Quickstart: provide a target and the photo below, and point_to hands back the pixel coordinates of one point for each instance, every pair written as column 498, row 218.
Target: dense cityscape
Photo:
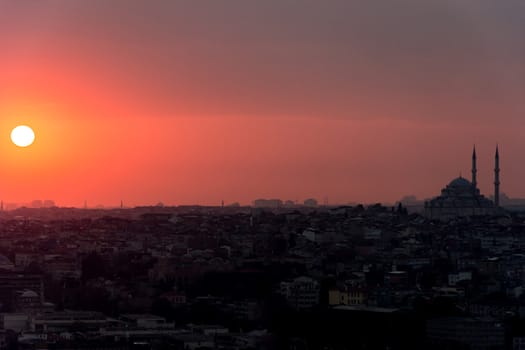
column 262, row 175
column 235, row 277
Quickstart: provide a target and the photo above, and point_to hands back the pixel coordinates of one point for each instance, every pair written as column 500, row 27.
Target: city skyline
column 273, row 174
column 186, row 103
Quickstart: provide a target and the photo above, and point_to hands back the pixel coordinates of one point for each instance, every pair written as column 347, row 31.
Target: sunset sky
column 198, row 101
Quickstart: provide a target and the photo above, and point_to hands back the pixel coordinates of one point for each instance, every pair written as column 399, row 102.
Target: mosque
column 462, row 197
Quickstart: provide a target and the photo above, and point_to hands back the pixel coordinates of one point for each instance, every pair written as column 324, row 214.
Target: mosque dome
column 460, row 182
column 29, row 294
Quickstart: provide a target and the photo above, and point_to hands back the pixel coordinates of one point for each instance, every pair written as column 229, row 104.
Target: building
column 454, row 278
column 27, row 301
column 347, row 296
column 476, row 333
column 67, row 320
column 6, row 264
column 268, row 203
column 301, row 293
column 16, row 322
column 11, row 283
column 146, row 321
column 310, row 202
column 462, row 198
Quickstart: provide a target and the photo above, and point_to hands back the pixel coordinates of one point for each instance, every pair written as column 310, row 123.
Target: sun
column 22, row 136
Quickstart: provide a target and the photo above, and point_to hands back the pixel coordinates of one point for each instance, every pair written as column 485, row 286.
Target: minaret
column 474, row 169
column 496, row 179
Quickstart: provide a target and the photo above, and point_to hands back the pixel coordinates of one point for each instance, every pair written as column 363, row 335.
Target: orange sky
column 184, row 103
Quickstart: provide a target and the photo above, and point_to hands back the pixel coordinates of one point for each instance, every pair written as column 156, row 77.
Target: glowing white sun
column 22, row 136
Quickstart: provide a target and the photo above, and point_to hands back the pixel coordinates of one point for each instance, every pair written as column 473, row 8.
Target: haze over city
column 197, row 102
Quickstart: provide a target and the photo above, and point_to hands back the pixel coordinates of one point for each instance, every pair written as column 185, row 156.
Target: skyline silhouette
column 274, row 174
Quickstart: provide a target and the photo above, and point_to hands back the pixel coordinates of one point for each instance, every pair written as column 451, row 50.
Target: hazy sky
column 197, row 101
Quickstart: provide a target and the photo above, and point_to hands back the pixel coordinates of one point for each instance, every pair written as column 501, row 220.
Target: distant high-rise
column 267, row 203
column 310, row 202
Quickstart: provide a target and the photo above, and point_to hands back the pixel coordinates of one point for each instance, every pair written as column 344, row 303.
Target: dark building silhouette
column 12, row 283
column 462, row 197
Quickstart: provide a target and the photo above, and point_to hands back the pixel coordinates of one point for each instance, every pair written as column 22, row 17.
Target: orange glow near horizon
column 166, row 160
column 178, row 105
